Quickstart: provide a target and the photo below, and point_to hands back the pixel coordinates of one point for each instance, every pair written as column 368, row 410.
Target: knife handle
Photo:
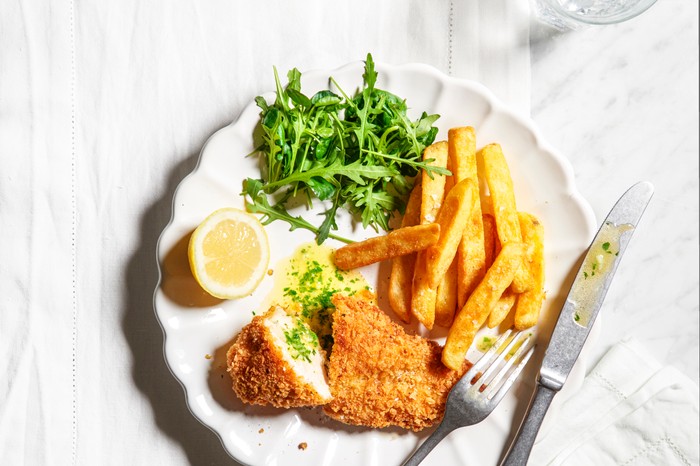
column 520, row 449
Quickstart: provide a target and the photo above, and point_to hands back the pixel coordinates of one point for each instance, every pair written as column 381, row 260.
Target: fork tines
column 507, row 357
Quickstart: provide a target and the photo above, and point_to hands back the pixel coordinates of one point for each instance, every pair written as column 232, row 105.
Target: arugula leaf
column 355, row 171
column 323, row 98
column 324, row 231
column 298, row 98
column 322, row 189
column 260, row 205
column 369, row 76
column 360, row 152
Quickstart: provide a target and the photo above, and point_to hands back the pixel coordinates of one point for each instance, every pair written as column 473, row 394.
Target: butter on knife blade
column 579, row 313
column 591, row 285
column 596, row 267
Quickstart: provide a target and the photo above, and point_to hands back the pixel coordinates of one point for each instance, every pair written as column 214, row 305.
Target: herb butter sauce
column 306, row 281
column 598, row 262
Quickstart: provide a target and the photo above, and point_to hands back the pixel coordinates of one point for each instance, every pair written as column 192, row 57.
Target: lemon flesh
column 229, row 253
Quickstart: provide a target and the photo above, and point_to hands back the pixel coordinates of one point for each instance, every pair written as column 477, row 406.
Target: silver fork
column 480, row 390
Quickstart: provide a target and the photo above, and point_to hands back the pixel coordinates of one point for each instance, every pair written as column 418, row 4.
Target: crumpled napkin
column 629, row 411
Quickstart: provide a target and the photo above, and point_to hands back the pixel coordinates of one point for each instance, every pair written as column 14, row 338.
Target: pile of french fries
column 464, row 256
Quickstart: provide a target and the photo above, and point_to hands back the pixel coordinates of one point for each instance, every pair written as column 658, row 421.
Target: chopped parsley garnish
column 301, row 340
column 312, row 281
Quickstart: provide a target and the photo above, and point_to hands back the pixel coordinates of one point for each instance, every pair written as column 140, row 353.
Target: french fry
column 452, row 219
column 449, row 180
column 399, row 242
column 446, row 295
column 446, row 300
column 423, row 296
column 527, row 309
column 502, row 308
column 470, row 253
column 484, row 195
column 461, row 150
column 485, row 296
column 497, row 175
column 400, row 284
column 402, row 267
column 492, row 247
column 490, row 240
column 433, row 191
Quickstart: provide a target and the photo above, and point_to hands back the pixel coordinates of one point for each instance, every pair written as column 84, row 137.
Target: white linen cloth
column 104, row 107
column 629, row 411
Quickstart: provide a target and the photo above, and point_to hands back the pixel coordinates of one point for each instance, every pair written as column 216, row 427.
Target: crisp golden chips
column 433, row 191
column 487, row 264
column 403, row 267
column 423, row 295
column 527, row 309
column 472, row 316
column 471, row 260
column 497, row 175
column 446, row 299
column 405, row 240
column 452, row 218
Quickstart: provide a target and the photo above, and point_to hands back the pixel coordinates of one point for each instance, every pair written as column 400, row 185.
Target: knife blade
column 579, row 312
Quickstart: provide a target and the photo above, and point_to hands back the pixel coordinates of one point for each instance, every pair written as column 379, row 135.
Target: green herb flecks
column 606, row 248
column 359, row 153
column 486, row 343
column 301, row 341
column 311, row 282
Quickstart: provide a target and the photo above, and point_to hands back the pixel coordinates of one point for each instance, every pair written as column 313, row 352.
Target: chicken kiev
column 277, row 360
column 380, row 376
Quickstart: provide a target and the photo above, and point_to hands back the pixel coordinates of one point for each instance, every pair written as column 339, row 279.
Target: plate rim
column 411, row 67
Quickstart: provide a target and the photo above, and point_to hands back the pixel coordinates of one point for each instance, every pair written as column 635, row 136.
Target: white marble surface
column 621, row 102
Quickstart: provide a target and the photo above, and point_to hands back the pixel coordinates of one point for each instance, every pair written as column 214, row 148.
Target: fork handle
column 520, row 449
column 427, row 446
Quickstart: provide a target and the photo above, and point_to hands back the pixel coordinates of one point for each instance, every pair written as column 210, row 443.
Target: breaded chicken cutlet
column 277, row 360
column 380, row 376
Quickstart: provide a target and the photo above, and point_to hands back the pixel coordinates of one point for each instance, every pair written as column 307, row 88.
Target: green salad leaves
column 360, row 153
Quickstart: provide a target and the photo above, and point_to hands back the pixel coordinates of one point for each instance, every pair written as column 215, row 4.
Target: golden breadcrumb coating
column 380, row 376
column 260, row 373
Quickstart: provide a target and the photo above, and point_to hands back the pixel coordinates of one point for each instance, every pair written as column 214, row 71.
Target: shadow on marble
column 541, row 33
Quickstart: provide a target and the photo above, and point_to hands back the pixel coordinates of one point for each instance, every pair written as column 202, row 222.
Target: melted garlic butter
column 598, row 262
column 306, row 281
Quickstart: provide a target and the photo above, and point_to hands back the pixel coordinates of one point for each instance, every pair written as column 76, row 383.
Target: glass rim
column 637, row 10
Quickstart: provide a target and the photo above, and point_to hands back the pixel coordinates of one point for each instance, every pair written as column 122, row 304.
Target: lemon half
column 229, row 253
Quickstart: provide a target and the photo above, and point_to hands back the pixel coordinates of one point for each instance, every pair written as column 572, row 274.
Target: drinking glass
column 573, row 14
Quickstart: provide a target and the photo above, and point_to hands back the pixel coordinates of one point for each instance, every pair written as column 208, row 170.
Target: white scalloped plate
column 199, row 329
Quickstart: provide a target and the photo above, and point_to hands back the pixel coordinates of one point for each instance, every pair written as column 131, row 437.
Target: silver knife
column 579, row 312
